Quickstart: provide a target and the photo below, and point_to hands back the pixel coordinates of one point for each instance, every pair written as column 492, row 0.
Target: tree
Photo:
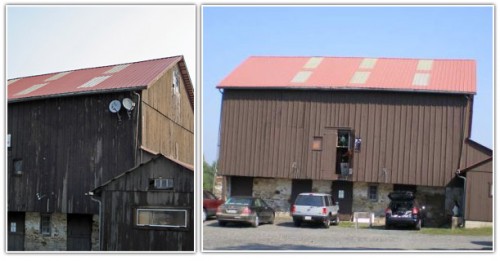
column 208, row 175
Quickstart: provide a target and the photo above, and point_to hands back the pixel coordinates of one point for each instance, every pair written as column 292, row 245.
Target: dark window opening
column 45, row 227
column 373, row 192
column 18, row 166
column 344, row 152
column 174, row 218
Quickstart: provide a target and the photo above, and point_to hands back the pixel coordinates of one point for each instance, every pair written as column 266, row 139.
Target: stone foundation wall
column 95, row 233
column 276, row 193
column 361, row 202
column 35, row 241
column 433, row 198
column 322, row 186
column 218, row 186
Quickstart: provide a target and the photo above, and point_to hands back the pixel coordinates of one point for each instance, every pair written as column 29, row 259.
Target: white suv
column 315, row 207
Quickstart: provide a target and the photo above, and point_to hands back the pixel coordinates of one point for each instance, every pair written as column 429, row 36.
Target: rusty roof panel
column 453, row 76
column 138, row 75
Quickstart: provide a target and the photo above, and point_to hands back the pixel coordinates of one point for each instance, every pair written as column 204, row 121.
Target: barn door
column 241, row 186
column 16, row 231
column 300, row 186
column 342, row 193
column 329, row 153
column 79, row 232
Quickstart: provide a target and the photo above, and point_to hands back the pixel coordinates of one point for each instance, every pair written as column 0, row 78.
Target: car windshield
column 239, row 201
column 308, row 200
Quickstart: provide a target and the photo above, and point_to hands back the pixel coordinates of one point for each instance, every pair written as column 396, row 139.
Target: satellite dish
column 128, row 104
column 115, row 106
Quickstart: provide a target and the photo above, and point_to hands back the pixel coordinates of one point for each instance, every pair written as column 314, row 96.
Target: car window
column 257, row 203
column 264, row 204
column 208, row 195
column 239, row 201
column 309, row 200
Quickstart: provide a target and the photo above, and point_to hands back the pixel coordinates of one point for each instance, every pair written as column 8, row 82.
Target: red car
column 210, row 204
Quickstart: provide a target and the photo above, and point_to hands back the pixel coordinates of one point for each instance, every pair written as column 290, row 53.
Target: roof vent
column 116, row 69
column 95, row 81
column 56, row 76
column 32, row 89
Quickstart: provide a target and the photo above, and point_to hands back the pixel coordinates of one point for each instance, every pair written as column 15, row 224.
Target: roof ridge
column 360, row 57
column 96, row 67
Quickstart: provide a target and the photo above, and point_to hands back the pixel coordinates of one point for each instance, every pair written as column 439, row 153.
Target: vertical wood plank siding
column 68, row 147
column 165, row 122
column 121, row 197
column 414, row 138
column 479, row 203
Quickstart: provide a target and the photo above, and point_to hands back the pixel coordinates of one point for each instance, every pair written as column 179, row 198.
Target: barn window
column 45, row 224
column 161, row 183
column 170, row 218
column 18, row 166
column 373, row 192
column 316, row 143
column 344, row 151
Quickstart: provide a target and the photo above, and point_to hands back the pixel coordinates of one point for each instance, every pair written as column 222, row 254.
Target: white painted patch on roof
column 95, row 81
column 56, row 76
column 313, row 62
column 424, row 65
column 31, row 89
column 12, row 81
column 360, row 77
column 368, row 63
column 301, row 76
column 421, row 79
column 117, row 68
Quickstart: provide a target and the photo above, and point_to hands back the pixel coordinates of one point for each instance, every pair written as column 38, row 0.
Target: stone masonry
column 35, row 241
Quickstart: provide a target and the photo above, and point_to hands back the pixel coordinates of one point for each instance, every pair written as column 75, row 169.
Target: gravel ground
column 283, row 236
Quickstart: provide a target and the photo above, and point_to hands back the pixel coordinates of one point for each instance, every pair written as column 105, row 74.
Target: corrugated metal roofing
column 138, row 75
column 399, row 74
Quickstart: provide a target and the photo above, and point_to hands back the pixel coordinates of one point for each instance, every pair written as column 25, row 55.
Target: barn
column 70, row 132
column 355, row 127
column 148, row 208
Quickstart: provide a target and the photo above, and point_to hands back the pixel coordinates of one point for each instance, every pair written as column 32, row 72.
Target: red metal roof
column 137, row 75
column 427, row 75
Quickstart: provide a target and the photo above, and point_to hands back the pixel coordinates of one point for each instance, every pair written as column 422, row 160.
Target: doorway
column 342, row 193
column 300, row 186
column 79, row 232
column 241, row 186
column 16, row 221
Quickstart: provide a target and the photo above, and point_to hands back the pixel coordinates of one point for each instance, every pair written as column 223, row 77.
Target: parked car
column 245, row 209
column 315, row 207
column 210, row 204
column 404, row 210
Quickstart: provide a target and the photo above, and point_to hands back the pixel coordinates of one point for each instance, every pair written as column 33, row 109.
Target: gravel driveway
column 283, row 236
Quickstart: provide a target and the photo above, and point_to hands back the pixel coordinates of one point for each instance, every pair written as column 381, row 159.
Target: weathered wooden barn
column 355, row 127
column 148, row 208
column 69, row 132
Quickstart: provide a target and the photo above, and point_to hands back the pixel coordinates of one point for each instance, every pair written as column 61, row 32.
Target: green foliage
column 208, row 175
column 484, row 231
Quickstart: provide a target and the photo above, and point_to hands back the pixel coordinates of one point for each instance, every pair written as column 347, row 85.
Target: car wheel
column 222, row 223
column 326, row 222
column 418, row 226
column 255, row 222
column 337, row 220
column 271, row 221
column 297, row 222
column 204, row 215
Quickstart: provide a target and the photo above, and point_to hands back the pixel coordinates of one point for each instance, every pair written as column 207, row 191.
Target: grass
column 483, row 231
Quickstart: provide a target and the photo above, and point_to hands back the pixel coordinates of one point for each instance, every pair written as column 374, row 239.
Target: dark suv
column 404, row 210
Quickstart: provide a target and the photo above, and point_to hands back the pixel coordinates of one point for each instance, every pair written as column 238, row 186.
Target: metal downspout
column 137, row 128
column 100, row 219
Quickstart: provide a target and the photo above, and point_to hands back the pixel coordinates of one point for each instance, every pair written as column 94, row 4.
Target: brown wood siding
column 474, row 153
column 168, row 126
column 123, row 196
column 414, row 137
column 68, row 146
column 479, row 205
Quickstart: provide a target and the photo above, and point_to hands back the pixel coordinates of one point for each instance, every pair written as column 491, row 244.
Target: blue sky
column 44, row 39
column 231, row 34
